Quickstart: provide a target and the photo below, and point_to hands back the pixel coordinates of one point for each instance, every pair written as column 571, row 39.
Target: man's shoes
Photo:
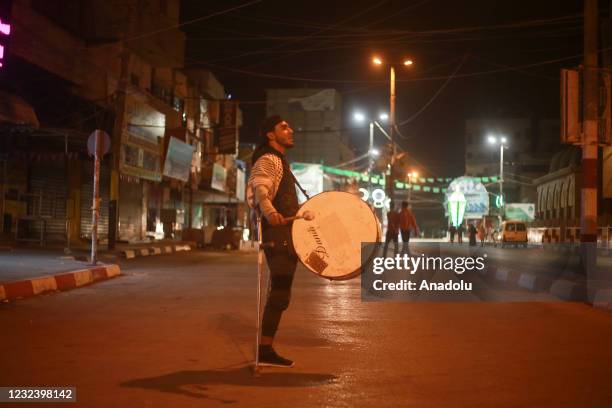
column 269, row 358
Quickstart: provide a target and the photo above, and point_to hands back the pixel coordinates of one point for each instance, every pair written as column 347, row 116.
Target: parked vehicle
column 513, row 232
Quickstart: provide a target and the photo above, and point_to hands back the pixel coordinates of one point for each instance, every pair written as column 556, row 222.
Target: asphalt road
column 177, row 331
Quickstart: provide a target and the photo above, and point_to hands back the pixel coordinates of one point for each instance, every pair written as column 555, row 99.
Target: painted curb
column 568, row 290
column 603, row 299
column 60, row 282
column 502, row 275
column 149, row 251
column 534, row 282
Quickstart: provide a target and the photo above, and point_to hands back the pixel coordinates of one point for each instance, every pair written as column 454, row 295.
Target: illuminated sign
column 5, row 28
column 475, row 194
column 456, row 207
column 378, row 196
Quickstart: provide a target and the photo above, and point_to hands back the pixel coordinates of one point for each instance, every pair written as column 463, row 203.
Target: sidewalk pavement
column 27, row 270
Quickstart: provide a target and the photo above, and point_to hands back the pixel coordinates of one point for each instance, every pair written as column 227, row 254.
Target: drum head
column 330, row 244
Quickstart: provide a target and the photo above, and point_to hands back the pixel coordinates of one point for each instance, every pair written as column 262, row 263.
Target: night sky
column 502, row 57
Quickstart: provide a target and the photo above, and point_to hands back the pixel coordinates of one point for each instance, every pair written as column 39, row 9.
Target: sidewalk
column 27, row 272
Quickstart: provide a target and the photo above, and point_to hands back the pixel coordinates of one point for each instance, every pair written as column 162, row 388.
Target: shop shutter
column 48, row 180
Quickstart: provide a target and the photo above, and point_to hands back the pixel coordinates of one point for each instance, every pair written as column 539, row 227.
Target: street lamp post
column 372, row 152
column 406, row 63
column 502, row 145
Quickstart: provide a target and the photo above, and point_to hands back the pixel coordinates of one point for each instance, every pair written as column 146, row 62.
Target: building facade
column 113, row 66
column 315, row 116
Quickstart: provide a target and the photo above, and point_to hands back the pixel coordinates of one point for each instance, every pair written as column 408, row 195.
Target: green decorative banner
column 379, row 179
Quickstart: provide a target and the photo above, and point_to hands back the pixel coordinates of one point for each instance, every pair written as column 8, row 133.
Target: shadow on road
column 195, row 383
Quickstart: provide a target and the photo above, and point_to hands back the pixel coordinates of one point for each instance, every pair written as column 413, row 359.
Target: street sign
column 91, row 143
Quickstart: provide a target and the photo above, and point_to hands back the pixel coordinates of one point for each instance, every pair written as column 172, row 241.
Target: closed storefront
column 46, row 201
column 130, row 209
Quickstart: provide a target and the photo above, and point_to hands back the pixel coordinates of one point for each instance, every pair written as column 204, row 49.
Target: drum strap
column 297, row 183
column 287, row 168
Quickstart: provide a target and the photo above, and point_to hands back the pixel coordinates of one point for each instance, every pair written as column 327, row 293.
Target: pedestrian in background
column 393, row 225
column 481, row 233
column 407, row 224
column 452, row 231
column 472, row 234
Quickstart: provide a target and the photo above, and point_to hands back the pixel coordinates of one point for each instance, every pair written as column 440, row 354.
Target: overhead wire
column 433, row 98
column 417, row 79
column 265, row 50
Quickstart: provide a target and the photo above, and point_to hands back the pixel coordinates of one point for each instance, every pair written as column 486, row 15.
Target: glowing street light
column 359, row 117
column 383, row 116
column 406, row 63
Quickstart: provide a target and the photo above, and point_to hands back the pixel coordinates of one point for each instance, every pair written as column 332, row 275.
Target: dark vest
column 285, row 202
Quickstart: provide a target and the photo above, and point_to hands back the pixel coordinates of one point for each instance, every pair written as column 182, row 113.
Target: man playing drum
column 271, row 190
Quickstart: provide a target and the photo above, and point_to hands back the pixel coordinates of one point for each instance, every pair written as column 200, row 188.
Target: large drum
column 330, row 243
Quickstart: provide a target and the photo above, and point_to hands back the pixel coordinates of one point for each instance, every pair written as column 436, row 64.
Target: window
column 510, row 227
column 520, row 227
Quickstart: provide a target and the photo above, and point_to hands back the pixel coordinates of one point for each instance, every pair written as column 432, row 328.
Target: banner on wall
column 178, row 160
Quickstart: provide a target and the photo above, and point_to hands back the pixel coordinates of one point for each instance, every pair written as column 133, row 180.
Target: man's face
column 283, row 134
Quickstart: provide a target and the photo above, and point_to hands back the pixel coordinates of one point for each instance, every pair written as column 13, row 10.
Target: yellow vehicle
column 513, row 232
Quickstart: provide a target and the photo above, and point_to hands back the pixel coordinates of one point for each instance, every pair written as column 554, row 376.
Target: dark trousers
column 390, row 237
column 405, row 241
column 282, row 266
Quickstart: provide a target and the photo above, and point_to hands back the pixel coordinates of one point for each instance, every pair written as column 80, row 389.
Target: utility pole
column 588, row 208
column 391, row 188
column 371, row 157
column 120, row 106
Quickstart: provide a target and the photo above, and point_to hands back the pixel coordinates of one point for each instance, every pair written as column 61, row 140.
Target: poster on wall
column 520, row 211
column 178, row 160
column 142, row 141
column 219, row 177
column 240, row 184
column 145, row 125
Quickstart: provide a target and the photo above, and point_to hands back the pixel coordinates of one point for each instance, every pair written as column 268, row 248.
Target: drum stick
column 308, row 216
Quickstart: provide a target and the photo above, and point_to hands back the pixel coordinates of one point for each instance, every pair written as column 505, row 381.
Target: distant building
column 316, row 118
column 531, row 145
column 559, row 191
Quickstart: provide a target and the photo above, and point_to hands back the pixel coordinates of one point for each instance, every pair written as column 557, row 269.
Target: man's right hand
column 277, row 219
